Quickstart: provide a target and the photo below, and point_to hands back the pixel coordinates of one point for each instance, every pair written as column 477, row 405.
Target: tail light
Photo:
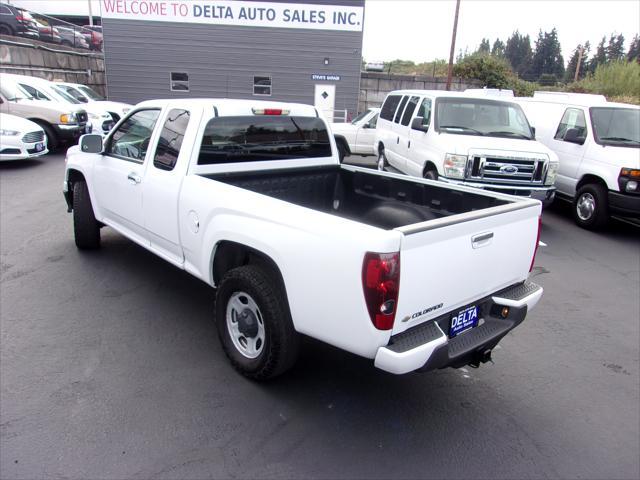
column 381, row 285
column 269, row 111
column 535, row 249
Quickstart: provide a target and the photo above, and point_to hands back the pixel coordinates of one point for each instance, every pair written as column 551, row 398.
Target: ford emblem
column 509, row 169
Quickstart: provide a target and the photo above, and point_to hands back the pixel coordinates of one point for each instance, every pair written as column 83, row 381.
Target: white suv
column 464, row 139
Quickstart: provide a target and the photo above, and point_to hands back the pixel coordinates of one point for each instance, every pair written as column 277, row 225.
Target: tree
column 494, row 72
column 498, row 48
column 547, row 58
column 485, row 46
column 573, row 63
column 518, row 53
column 634, row 49
column 615, row 49
column 600, row 58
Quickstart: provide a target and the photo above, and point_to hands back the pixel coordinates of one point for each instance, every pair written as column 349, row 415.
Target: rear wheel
column 52, row 138
column 86, row 228
column 6, row 29
column 382, row 163
column 591, row 206
column 254, row 323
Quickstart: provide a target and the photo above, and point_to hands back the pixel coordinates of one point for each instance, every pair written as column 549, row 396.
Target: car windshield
column 13, row 92
column 74, row 92
column 92, row 94
column 360, row 117
column 64, row 95
column 490, row 118
column 616, row 126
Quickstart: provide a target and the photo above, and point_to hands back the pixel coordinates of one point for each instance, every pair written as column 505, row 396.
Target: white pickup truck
column 250, row 197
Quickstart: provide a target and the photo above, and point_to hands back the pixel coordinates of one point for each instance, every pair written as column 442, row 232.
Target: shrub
column 494, row 72
column 615, row 79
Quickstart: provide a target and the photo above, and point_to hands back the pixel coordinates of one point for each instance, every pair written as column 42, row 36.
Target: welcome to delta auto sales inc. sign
column 238, row 13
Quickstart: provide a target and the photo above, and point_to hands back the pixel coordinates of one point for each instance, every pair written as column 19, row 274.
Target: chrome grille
column 33, row 137
column 493, row 169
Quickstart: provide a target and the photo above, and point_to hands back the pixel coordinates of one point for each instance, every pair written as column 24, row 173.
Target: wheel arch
column 428, row 166
column 340, row 139
column 590, row 178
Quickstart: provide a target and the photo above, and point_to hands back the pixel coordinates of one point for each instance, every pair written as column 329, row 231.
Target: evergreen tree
column 547, row 59
column 518, row 53
column 498, row 48
column 615, row 49
column 600, row 58
column 485, row 46
column 573, row 63
column 634, row 49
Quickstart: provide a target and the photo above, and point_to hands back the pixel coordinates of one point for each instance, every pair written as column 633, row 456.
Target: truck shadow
column 20, row 164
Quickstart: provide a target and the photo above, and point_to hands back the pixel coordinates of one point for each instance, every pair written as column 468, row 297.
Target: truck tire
column 254, row 323
column 382, row 163
column 52, row 137
column 591, row 206
column 86, row 228
column 430, row 173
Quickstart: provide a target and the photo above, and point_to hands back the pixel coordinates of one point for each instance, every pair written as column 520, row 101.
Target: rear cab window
column 252, row 138
column 170, row 141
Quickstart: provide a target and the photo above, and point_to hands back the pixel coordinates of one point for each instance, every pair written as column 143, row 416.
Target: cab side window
column 171, row 138
column 425, row 111
column 573, row 118
column 34, row 92
column 408, row 112
column 131, row 140
column 389, row 107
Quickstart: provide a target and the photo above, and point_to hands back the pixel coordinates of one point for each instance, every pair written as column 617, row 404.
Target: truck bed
column 372, row 199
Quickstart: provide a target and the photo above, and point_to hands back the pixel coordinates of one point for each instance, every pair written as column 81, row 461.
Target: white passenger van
column 464, row 139
column 598, row 144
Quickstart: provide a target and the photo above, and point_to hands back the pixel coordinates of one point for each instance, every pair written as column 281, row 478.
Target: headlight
column 629, row 180
column 68, row 118
column 552, row 172
column 454, row 165
column 9, row 133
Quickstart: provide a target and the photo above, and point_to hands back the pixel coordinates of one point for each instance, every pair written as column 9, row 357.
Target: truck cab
column 464, row 139
column 597, row 144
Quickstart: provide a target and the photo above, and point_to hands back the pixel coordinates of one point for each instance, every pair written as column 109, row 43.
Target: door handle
column 481, row 239
column 398, row 141
column 409, row 144
column 134, row 178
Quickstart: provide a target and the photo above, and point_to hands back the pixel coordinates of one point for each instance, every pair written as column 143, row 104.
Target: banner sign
column 238, row 13
column 322, row 76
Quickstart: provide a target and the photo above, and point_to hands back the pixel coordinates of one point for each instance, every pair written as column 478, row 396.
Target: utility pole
column 90, row 13
column 453, row 46
column 580, row 53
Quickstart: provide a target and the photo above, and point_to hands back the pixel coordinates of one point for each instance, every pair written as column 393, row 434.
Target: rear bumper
column 624, row 204
column 427, row 346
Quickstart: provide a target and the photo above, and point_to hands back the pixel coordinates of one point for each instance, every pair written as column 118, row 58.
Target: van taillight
column 381, row 284
column 535, row 249
column 270, row 111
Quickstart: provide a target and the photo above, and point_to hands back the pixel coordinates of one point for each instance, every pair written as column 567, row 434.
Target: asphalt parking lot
column 110, row 367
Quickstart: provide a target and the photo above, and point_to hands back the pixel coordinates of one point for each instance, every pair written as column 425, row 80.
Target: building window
column 261, row 85
column 179, row 82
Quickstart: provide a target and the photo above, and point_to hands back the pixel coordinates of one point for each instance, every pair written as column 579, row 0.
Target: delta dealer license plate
column 39, row 147
column 464, row 320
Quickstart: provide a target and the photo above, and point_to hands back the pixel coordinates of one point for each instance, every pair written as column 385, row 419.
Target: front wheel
column 86, row 228
column 382, row 161
column 431, row 174
column 254, row 323
column 591, row 207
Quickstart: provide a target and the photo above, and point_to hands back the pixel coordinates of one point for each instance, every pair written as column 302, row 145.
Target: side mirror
column 574, row 135
column 91, row 143
column 533, row 132
column 368, row 125
column 416, row 124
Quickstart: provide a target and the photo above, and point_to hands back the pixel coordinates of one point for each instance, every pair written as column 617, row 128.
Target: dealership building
column 284, row 51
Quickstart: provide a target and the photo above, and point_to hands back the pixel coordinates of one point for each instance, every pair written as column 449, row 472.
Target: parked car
column 93, row 35
column 61, row 122
column 598, row 144
column 71, row 37
column 358, row 136
column 251, row 198
column 16, row 21
column 85, row 94
column 466, row 140
column 20, row 138
column 42, row 89
column 47, row 32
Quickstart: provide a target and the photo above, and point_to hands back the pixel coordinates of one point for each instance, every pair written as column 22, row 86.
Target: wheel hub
column 586, row 206
column 248, row 323
column 245, row 325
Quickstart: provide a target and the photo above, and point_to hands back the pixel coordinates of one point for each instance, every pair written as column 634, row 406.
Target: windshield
column 64, row 95
column 13, row 92
column 616, row 126
column 257, row 138
column 360, row 117
column 92, row 94
column 74, row 92
column 472, row 116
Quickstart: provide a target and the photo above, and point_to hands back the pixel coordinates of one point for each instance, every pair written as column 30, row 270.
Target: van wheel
column 254, row 323
column 382, row 163
column 591, row 207
column 431, row 174
column 86, row 228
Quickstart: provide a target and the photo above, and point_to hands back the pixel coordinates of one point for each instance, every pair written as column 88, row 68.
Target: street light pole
column 453, row 46
column 90, row 13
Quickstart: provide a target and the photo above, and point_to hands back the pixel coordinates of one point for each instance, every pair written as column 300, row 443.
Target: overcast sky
column 420, row 30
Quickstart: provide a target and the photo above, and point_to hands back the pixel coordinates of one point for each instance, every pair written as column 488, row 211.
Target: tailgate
column 449, row 263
